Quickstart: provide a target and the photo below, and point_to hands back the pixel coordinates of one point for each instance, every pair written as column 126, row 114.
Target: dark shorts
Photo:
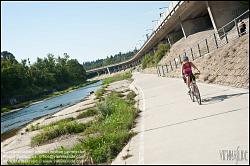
column 191, row 76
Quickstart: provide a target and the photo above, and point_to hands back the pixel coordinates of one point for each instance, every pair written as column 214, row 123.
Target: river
column 17, row 119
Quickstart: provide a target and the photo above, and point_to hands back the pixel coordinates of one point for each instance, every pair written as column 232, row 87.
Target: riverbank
column 17, row 107
column 76, row 115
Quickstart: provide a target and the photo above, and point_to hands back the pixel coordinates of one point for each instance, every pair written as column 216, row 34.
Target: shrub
column 87, row 113
column 104, row 148
column 52, row 132
column 99, row 92
column 151, row 60
column 118, row 77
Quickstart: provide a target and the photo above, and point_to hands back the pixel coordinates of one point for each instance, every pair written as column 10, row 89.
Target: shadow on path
column 220, row 98
column 190, row 120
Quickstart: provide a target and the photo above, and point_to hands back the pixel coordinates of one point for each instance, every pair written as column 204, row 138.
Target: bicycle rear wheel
column 197, row 94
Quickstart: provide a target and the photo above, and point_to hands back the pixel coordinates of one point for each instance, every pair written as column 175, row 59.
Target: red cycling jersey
column 187, row 68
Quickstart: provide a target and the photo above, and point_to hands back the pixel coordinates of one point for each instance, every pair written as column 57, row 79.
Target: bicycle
column 194, row 90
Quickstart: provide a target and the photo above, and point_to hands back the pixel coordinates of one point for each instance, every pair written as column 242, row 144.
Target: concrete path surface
column 174, row 130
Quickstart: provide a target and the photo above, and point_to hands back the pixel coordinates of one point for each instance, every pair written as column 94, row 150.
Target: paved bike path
column 174, row 130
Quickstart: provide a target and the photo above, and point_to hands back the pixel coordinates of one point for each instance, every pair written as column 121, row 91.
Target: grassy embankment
column 107, row 81
column 54, row 94
column 152, row 59
column 103, row 139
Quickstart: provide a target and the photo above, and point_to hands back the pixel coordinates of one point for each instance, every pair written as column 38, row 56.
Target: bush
column 161, row 51
column 87, row 113
column 147, row 61
column 118, row 77
column 131, row 95
column 63, row 128
column 34, row 127
column 104, row 148
column 99, row 92
column 151, row 60
column 112, row 132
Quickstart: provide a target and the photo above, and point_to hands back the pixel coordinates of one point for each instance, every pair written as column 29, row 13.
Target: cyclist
column 186, row 71
column 242, row 27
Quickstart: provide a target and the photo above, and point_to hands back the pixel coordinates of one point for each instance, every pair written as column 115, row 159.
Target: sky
column 86, row 31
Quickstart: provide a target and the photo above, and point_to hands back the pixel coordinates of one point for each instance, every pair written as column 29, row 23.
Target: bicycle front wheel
column 191, row 94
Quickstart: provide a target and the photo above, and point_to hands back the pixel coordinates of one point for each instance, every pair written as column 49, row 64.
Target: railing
column 167, row 14
column 228, row 32
column 174, row 5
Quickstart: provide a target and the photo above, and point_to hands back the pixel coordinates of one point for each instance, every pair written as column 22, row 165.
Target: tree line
column 120, row 57
column 47, row 74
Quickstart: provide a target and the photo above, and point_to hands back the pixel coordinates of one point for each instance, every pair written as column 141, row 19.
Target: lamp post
column 150, row 30
column 164, row 8
column 146, row 36
column 139, row 42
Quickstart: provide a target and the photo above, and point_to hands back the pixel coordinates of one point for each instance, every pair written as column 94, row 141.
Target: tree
column 7, row 56
column 22, row 79
column 109, row 60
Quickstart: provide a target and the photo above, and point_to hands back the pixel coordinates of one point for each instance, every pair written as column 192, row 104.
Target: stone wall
column 229, row 65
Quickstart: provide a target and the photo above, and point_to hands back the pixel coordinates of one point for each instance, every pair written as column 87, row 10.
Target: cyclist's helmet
column 185, row 58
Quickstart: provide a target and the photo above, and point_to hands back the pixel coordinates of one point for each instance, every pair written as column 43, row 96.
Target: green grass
column 112, row 131
column 99, row 93
column 37, row 127
column 105, row 147
column 33, row 127
column 53, row 131
column 105, row 138
column 60, row 123
column 118, row 77
column 87, row 113
column 152, row 59
column 131, row 95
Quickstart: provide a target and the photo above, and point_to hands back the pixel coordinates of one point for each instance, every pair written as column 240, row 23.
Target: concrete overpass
column 182, row 19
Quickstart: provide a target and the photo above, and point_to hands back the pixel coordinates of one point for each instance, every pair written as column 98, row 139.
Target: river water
column 14, row 120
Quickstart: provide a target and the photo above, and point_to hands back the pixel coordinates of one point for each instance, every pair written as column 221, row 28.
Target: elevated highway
column 182, row 19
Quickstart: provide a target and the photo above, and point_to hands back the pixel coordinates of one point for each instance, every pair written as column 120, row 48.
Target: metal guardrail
column 167, row 14
column 174, row 5
column 228, row 32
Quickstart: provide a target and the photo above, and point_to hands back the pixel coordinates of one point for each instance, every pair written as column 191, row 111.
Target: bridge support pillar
column 221, row 12
column 182, row 28
column 211, row 16
column 108, row 70
column 169, row 41
column 154, row 50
